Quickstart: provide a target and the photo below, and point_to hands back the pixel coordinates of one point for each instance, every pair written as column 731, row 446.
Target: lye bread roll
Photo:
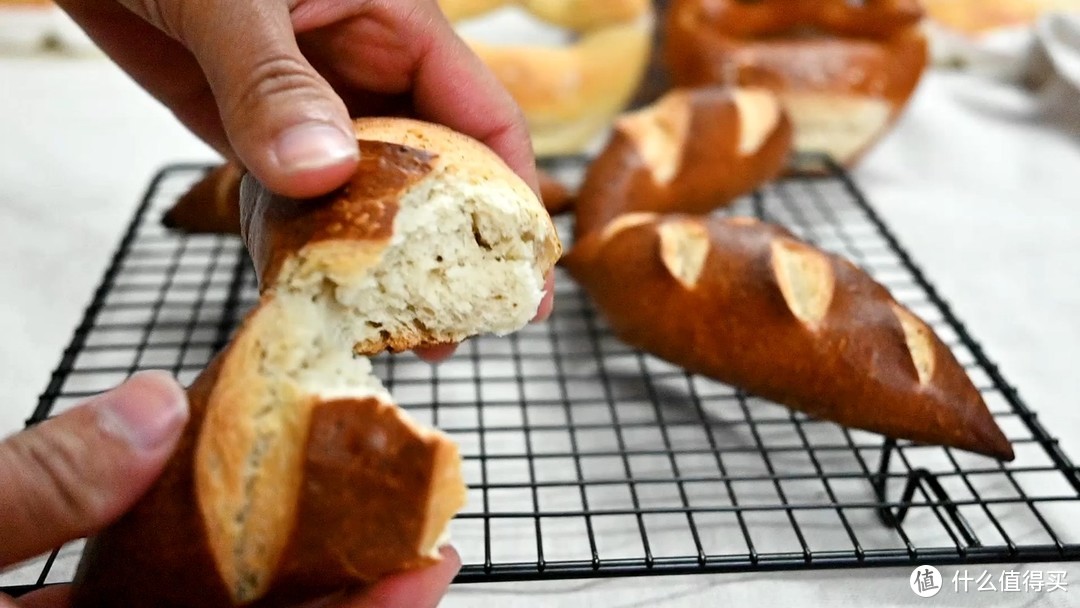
column 691, row 151
column 844, row 70
column 750, row 305
column 297, row 476
column 568, row 93
column 210, row 206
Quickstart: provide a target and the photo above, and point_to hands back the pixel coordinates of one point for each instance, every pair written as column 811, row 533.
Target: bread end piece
column 210, row 206
column 434, row 241
column 304, row 469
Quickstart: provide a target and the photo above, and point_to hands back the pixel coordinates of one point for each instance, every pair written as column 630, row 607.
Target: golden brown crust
column 211, row 206
column 686, row 154
column 831, row 80
column 854, row 365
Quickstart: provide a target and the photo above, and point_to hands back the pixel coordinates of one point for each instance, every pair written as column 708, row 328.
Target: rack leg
column 929, row 484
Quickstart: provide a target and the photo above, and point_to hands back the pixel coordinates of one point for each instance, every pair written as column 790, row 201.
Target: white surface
column 982, row 193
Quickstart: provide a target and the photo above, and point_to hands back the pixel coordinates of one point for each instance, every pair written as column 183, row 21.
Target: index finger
column 453, row 86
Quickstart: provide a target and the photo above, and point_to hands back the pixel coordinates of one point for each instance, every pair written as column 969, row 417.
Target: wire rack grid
column 585, row 458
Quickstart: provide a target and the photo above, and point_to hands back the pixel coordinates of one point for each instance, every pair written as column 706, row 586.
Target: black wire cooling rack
column 585, row 458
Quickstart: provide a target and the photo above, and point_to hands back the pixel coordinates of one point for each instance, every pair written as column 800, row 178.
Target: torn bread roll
column 750, row 305
column 844, row 70
column 210, row 206
column 297, row 476
column 569, row 93
column 692, row 151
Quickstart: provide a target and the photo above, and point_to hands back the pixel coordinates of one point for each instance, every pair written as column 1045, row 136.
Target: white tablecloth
column 977, row 180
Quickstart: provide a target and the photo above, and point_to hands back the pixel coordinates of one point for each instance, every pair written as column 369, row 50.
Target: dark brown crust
column 275, row 228
column 712, row 173
column 157, row 554
column 211, row 206
column 554, row 194
column 373, row 501
column 854, row 370
column 877, row 51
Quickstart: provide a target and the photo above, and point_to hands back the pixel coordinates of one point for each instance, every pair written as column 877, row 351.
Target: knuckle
column 268, row 80
column 55, row 464
column 159, row 13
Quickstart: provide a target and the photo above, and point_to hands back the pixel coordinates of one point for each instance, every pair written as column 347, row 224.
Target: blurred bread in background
column 975, row 17
column 31, row 27
column 572, row 66
column 995, row 38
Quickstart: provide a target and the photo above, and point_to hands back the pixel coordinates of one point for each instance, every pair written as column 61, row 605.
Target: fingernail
column 314, row 145
column 146, row 412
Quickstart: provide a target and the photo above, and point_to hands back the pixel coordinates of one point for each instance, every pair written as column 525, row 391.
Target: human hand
column 74, row 474
column 272, row 83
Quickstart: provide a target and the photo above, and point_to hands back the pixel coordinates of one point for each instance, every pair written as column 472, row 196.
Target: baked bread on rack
column 750, row 305
column 569, row 94
column 844, row 70
column 297, row 475
column 210, row 206
column 692, row 151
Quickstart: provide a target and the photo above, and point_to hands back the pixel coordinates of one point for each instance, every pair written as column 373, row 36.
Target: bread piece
column 569, row 94
column 750, row 305
column 297, row 476
column 439, row 250
column 556, row 196
column 211, row 206
column 692, row 151
column 844, row 71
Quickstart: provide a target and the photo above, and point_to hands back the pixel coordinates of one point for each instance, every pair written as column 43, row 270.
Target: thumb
column 72, row 475
column 285, row 123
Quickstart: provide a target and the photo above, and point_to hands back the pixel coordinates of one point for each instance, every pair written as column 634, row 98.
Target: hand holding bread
column 297, row 476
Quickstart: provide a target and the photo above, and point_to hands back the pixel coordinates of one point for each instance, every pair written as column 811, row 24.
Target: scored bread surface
column 691, row 151
column 784, row 321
